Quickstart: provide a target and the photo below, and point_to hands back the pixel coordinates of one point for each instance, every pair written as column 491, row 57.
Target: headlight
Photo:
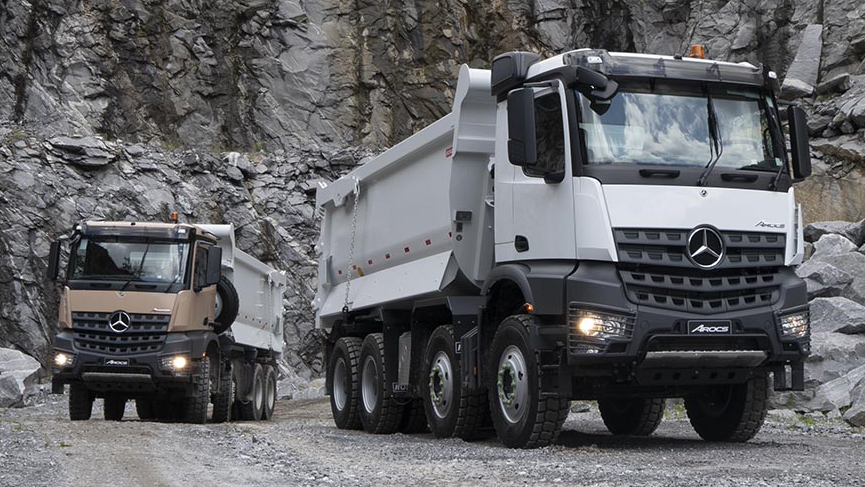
column 796, row 325
column 175, row 363
column 593, row 324
column 64, row 359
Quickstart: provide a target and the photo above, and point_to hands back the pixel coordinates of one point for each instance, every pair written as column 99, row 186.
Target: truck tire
column 522, row 417
column 635, row 416
column 252, row 410
column 380, row 413
column 195, row 406
column 80, row 402
column 414, row 418
column 145, row 409
column 450, row 410
column 342, row 374
column 227, row 305
column 733, row 413
column 224, row 397
column 269, row 392
column 114, row 407
column 167, row 411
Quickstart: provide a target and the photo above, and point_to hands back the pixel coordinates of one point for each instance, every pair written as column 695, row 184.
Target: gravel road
column 39, row 446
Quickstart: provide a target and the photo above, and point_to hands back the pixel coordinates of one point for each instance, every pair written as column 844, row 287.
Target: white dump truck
column 599, row 226
column 171, row 315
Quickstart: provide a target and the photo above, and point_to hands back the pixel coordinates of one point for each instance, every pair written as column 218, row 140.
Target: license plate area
column 710, row 327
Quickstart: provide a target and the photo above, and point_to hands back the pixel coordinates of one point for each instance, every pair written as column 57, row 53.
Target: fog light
column 592, row 324
column 63, row 359
column 175, row 363
column 796, row 325
column 178, row 362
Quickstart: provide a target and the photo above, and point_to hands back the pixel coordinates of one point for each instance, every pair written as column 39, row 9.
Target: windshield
column 654, row 122
column 124, row 259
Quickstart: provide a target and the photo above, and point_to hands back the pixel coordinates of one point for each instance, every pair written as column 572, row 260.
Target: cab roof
column 182, row 231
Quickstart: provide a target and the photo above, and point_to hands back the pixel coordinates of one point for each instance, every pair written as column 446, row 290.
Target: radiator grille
column 146, row 333
column 656, row 272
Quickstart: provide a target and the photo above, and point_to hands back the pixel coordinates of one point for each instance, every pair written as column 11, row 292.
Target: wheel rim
column 369, row 383
column 339, row 387
column 258, row 400
column 441, row 384
column 512, row 384
column 271, row 394
column 218, row 305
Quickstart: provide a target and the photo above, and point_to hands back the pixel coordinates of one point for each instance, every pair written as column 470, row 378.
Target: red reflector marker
column 406, row 250
column 387, row 256
column 428, row 242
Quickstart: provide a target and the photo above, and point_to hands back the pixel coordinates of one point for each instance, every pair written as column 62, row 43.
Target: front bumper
column 660, row 350
column 131, row 374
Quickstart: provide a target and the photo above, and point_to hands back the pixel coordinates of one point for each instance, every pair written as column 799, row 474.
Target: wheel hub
column 512, row 385
column 339, row 388
column 441, row 384
column 369, row 385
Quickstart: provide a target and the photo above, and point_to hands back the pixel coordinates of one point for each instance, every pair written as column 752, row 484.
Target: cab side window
column 550, row 136
column 200, row 274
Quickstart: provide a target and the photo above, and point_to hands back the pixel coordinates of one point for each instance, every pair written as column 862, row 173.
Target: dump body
column 423, row 222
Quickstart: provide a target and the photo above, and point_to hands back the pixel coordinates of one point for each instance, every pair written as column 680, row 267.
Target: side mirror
column 522, row 146
column 801, row 152
column 53, row 262
column 214, row 265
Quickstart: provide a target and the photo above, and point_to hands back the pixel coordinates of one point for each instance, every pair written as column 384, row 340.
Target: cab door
column 542, row 225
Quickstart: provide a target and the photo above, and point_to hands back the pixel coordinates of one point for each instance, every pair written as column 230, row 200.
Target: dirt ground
column 300, row 446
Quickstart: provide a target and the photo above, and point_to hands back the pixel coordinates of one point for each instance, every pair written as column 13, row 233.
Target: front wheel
column 195, row 406
column 636, row 416
column 733, row 413
column 523, row 418
column 80, row 402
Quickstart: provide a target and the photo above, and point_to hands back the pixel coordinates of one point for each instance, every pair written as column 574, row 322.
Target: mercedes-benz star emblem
column 705, row 247
column 119, row 322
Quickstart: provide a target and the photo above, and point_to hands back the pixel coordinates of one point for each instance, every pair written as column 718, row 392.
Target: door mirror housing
column 214, row 266
column 522, row 146
column 799, row 148
column 53, row 262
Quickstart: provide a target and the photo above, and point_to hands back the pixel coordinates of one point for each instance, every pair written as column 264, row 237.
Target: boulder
column 802, row 74
column 832, row 244
column 837, row 314
column 823, row 278
column 836, row 394
column 832, row 356
column 11, row 392
column 856, row 414
column 813, row 231
column 88, row 152
column 24, row 368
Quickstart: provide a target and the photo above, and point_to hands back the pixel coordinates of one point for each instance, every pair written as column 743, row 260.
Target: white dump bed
column 260, row 288
column 424, row 213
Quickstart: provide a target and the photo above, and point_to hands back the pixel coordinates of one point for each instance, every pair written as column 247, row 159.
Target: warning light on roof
column 698, row 51
column 173, row 217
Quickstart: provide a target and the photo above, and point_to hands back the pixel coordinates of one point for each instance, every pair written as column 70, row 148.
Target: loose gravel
column 300, row 446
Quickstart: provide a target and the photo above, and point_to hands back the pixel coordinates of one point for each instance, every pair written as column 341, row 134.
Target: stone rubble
column 18, row 375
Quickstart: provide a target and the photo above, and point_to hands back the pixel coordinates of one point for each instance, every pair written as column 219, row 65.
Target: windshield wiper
column 716, row 140
column 137, row 273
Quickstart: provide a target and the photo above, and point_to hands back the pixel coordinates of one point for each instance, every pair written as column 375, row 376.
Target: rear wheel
column 114, row 408
column 145, row 410
column 732, row 413
column 252, row 410
column 195, row 406
column 343, row 374
column 269, row 392
column 380, row 413
column 224, row 397
column 636, row 416
column 522, row 417
column 450, row 410
column 80, row 402
column 414, row 418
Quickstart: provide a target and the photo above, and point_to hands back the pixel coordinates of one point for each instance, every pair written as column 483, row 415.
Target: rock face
column 803, row 72
column 231, row 110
